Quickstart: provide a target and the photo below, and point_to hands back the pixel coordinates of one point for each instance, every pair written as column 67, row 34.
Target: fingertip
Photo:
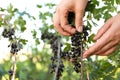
column 80, row 28
column 95, row 38
column 79, row 20
column 85, row 55
column 65, row 34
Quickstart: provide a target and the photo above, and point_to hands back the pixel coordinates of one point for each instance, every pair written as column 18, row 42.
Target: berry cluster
column 8, row 33
column 57, row 64
column 15, row 44
column 15, row 47
column 75, row 50
column 73, row 55
column 77, row 44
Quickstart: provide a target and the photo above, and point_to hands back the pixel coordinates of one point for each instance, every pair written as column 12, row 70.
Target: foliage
column 36, row 66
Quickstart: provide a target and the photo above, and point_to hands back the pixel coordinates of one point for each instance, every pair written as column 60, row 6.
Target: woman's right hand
column 60, row 17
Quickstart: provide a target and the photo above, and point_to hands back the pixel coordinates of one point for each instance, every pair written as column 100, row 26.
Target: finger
column 108, row 52
column 64, row 22
column 79, row 20
column 56, row 23
column 107, row 47
column 104, row 28
column 97, row 46
column 79, row 13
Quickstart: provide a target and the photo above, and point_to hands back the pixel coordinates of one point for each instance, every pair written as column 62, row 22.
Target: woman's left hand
column 107, row 38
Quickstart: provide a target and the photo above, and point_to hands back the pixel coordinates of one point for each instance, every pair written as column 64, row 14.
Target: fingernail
column 80, row 28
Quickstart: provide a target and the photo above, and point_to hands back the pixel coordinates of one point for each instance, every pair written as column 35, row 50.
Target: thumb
column 79, row 20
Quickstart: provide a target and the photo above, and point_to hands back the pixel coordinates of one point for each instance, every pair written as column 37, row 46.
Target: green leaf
column 1, row 22
column 22, row 75
column 51, row 26
column 88, row 24
column 48, row 14
column 39, row 6
column 42, row 16
column 34, row 33
column 90, row 38
column 37, row 41
column 98, row 16
column 9, row 9
column 107, row 15
column 24, row 41
column 1, row 9
column 67, row 47
column 118, row 2
column 15, row 10
column 23, row 28
column 50, row 5
column 118, row 12
column 90, row 6
column 95, row 24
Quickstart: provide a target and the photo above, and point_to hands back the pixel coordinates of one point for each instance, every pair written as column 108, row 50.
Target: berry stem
column 88, row 77
column 58, row 60
column 81, row 60
column 12, row 77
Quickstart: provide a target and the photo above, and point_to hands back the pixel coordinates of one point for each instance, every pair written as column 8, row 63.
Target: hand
column 60, row 17
column 107, row 38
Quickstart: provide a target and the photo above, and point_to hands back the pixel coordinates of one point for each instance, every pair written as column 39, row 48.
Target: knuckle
column 98, row 47
column 78, row 10
column 117, row 41
column 61, row 9
column 99, row 30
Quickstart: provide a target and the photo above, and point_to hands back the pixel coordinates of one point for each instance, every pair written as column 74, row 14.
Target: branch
column 88, row 77
column 81, row 60
column 12, row 75
column 58, row 59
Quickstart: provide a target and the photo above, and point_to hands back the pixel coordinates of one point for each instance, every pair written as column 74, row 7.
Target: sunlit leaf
column 39, row 6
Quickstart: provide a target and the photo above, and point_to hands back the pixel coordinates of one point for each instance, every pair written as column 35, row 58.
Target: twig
column 88, row 78
column 81, row 60
column 58, row 59
column 12, row 76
